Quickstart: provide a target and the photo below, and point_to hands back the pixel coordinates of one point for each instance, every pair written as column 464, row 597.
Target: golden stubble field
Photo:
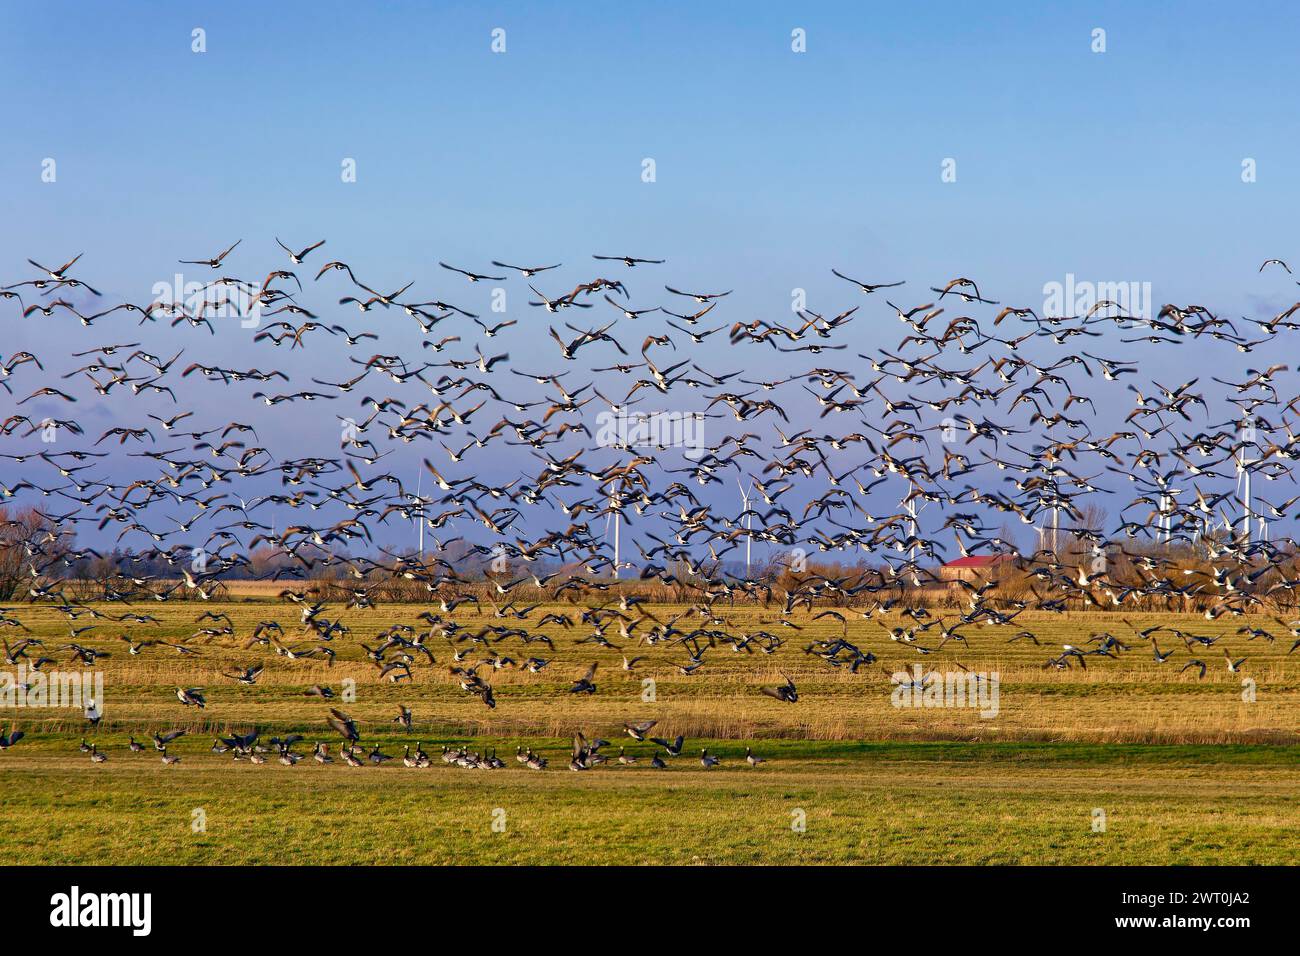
column 1181, row 769
column 1132, row 698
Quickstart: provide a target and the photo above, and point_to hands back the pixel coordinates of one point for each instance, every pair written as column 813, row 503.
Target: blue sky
column 772, row 166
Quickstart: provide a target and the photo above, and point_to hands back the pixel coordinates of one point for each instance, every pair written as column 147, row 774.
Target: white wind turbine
column 912, row 511
column 1055, row 530
column 419, row 517
column 617, row 516
column 1164, row 520
column 1243, row 482
column 1056, row 524
column 749, row 519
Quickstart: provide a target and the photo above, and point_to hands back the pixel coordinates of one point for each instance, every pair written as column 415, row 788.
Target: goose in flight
column 701, row 297
column 638, row 729
column 214, row 263
column 785, row 692
column 672, row 748
column 297, row 257
column 957, row 287
column 191, row 697
column 248, row 676
column 585, row 683
column 472, row 276
column 344, row 724
column 631, row 261
column 867, row 287
column 584, row 755
column 526, row 271
column 160, row 740
column 403, row 717
column 59, row 274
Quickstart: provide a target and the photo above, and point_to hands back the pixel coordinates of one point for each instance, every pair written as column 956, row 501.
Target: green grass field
column 1184, row 770
column 861, row 803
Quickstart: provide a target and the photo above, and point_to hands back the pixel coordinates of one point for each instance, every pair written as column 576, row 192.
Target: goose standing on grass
column 421, row 758
column 707, row 759
column 752, row 759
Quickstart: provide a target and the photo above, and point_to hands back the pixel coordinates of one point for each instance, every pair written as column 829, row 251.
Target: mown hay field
column 1126, row 761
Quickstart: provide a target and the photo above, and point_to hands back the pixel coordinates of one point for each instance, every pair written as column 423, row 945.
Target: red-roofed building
column 974, row 567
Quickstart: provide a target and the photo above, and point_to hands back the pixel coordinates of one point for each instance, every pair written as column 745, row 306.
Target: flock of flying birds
column 990, row 412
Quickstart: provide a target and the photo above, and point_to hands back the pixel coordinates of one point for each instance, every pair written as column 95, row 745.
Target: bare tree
column 21, row 535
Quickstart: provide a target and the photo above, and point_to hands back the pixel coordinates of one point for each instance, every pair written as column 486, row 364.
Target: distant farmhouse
column 974, row 568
